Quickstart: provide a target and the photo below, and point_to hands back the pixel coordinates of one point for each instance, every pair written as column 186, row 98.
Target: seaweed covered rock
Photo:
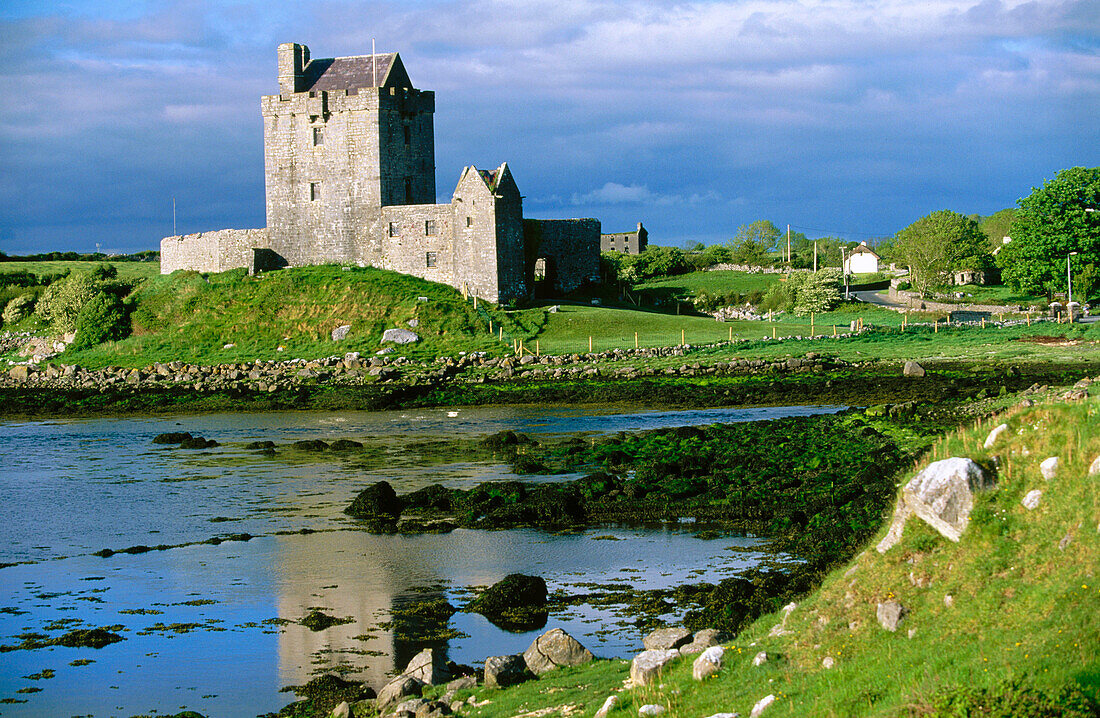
column 88, row 638
column 505, row 440
column 378, row 501
column 322, row 694
column 516, row 602
column 198, row 442
column 172, row 437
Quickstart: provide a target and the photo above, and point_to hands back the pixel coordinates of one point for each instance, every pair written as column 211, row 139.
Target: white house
column 861, row 260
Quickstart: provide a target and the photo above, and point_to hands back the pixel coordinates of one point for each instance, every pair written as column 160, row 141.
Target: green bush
column 62, row 301
column 18, row 309
column 1013, row 698
column 101, row 319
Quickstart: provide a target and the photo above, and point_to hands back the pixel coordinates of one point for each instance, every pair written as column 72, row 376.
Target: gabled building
column 861, row 260
column 349, row 169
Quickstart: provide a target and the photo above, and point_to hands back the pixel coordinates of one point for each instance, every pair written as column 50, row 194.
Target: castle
column 349, row 169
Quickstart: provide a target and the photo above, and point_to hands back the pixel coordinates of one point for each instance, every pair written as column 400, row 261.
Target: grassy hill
column 192, row 317
column 1019, row 635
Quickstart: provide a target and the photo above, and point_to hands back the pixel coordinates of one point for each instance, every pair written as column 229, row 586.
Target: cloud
column 614, row 193
column 843, row 113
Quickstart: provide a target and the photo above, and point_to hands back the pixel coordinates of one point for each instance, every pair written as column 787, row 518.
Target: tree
column 997, row 226
column 1050, row 223
column 753, row 241
column 938, row 244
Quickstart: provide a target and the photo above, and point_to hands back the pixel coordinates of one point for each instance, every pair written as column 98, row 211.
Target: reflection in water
column 198, row 621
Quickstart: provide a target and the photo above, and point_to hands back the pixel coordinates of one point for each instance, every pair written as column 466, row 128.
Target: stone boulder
column 554, row 649
column 913, row 369
column 1049, row 468
column 647, row 665
column 702, row 640
column 503, row 671
column 942, row 495
column 400, row 336
column 762, row 705
column 377, row 500
column 1031, row 501
column 341, row 332
column 399, row 689
column 889, row 614
column 428, row 666
column 708, row 663
column 666, row 638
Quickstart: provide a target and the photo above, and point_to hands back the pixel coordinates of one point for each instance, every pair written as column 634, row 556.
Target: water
column 199, row 620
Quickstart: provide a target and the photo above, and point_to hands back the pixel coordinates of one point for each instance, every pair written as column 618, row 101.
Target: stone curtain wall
column 217, row 251
column 571, row 245
column 407, row 252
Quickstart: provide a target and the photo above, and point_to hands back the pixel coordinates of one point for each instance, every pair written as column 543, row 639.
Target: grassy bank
column 1019, row 635
column 232, row 317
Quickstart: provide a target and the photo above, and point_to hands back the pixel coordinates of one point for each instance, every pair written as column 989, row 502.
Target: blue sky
column 846, row 117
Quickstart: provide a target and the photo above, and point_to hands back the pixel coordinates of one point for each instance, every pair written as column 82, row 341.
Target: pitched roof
column 864, row 249
column 352, row 73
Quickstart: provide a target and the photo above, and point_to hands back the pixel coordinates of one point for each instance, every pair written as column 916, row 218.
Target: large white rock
column 762, row 705
column 429, row 666
column 1049, row 467
column 400, row 336
column 993, row 435
column 942, row 495
column 708, row 663
column 554, row 649
column 607, row 706
column 647, row 665
column 1031, row 501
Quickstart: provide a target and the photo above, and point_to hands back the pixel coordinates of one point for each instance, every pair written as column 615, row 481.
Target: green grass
column 191, row 317
column 717, row 282
column 126, row 270
column 1023, row 609
column 1001, row 294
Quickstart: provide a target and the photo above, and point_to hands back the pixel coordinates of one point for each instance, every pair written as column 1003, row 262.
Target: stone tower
column 343, row 138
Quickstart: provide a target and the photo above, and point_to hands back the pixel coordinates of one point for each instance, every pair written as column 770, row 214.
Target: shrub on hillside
column 101, row 319
column 62, row 301
column 18, row 309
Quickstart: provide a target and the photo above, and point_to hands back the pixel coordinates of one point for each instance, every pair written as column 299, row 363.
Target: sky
column 849, row 118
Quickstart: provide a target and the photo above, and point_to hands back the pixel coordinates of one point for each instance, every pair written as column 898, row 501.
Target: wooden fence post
column 589, row 343
column 635, row 340
column 682, row 342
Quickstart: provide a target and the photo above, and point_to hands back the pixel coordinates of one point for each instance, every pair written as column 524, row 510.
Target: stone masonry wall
column 410, row 249
column 217, row 251
column 333, row 159
column 572, row 246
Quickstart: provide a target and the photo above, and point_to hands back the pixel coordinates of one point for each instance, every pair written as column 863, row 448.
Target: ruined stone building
column 349, row 169
column 626, row 242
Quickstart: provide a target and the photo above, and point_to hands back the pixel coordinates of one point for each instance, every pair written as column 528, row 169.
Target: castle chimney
column 293, row 59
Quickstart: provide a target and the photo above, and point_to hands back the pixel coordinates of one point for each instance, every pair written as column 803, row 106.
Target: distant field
column 126, row 270
column 719, row 282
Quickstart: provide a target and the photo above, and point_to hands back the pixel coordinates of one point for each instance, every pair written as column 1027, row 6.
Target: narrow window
column 408, row 135
column 429, row 228
column 314, row 191
column 469, row 221
column 394, row 229
column 318, row 136
column 408, row 192
column 430, row 259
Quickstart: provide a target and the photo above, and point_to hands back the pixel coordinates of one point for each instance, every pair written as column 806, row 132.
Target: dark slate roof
column 347, row 73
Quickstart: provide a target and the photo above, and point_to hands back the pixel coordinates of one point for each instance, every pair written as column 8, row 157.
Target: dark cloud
column 694, row 118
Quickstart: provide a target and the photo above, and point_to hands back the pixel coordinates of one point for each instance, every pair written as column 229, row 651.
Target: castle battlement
column 349, row 169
